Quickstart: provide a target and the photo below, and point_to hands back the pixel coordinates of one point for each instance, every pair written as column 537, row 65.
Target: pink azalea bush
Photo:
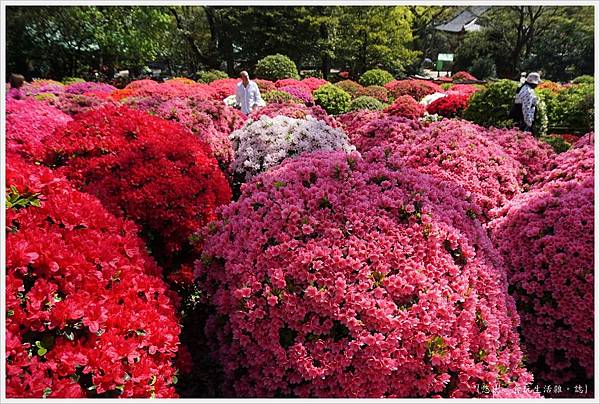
column 332, row 277
column 301, row 93
column 388, row 130
column 353, row 120
column 313, row 83
column 28, row 122
column 291, row 83
column 535, row 156
column 293, row 110
column 462, row 75
column 86, row 87
column 587, row 139
column 574, row 164
column 407, row 107
column 547, row 238
column 463, row 154
column 224, row 87
column 377, row 92
column 268, row 141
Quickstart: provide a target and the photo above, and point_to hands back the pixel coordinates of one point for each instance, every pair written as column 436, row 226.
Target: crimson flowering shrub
column 291, row 83
column 450, row 106
column 547, row 238
column 407, row 107
column 87, row 312
column 534, row 156
column 415, row 88
column 464, row 154
column 28, row 122
column 387, row 130
column 331, row 277
column 378, row 92
column 297, row 111
column 313, row 83
column 140, row 83
column 88, row 86
column 144, row 168
column 211, row 121
column 463, row 76
column 301, row 93
column 223, row 88
column 167, row 90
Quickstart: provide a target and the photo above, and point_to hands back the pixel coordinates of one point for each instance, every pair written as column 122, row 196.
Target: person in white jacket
column 526, row 102
column 247, row 94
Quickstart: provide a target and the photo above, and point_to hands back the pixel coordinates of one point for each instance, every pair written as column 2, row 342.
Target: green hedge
column 491, row 105
column 207, row 76
column 375, row 77
column 332, row 98
column 366, row 102
column 276, row 67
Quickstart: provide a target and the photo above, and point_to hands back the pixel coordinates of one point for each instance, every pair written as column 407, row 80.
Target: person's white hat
column 534, row 78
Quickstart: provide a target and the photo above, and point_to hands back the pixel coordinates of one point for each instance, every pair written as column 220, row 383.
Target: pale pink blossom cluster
column 294, row 110
column 268, row 141
column 335, row 277
column 547, row 238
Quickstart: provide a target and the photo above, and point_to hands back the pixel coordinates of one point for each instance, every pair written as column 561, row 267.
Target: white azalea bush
column 428, row 99
column 266, row 142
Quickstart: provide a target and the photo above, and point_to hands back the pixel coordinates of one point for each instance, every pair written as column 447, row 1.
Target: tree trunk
column 325, row 62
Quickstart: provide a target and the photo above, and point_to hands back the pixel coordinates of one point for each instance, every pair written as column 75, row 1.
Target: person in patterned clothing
column 524, row 108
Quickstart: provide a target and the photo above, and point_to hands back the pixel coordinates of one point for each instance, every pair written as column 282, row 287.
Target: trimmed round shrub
column 280, row 97
column 547, row 238
column 70, row 80
column 491, row 105
column 353, row 120
column 415, row 88
column 28, row 122
column 144, row 168
column 351, row 87
column 74, row 104
column 43, row 86
column 207, row 76
column 407, row 107
column 378, row 92
column 375, row 77
column 446, row 86
column 450, row 106
column 266, row 142
column 331, row 277
column 296, row 111
column 265, row 85
column 585, row 79
column 534, row 155
column 462, row 153
column 87, row 314
column 166, row 91
column 276, row 67
column 463, row 76
column 224, row 87
column 332, row 98
column 210, row 121
column 365, row 102
column 573, row 109
column 385, row 130
column 291, row 83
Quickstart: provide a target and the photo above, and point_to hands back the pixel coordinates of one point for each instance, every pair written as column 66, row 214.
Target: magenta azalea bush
column 387, row 130
column 301, row 93
column 547, row 238
column 28, row 122
column 331, row 277
column 353, row 120
column 268, row 141
column 294, row 110
column 86, row 87
column 575, row 164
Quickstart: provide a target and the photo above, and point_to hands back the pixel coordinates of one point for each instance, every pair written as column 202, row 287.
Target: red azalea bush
column 464, row 155
column 223, row 88
column 377, row 92
column 407, row 107
column 291, row 83
column 388, row 130
column 87, row 312
column 146, row 169
column 450, row 106
column 534, row 156
column 211, row 121
column 28, row 122
column 415, row 88
column 331, row 277
column 313, row 83
column 297, row 111
column 140, row 83
column 463, row 89
column 463, row 76
column 550, row 85
column 547, row 238
column 166, row 91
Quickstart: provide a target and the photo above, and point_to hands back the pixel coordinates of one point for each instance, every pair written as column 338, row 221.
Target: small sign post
column 444, row 59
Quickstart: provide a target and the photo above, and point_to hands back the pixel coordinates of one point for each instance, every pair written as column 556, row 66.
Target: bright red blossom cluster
column 452, row 105
column 406, row 106
column 147, row 169
column 87, row 312
column 415, row 88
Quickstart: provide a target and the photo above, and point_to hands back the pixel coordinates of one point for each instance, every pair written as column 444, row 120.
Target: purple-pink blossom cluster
column 334, row 277
column 89, row 86
column 302, row 93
